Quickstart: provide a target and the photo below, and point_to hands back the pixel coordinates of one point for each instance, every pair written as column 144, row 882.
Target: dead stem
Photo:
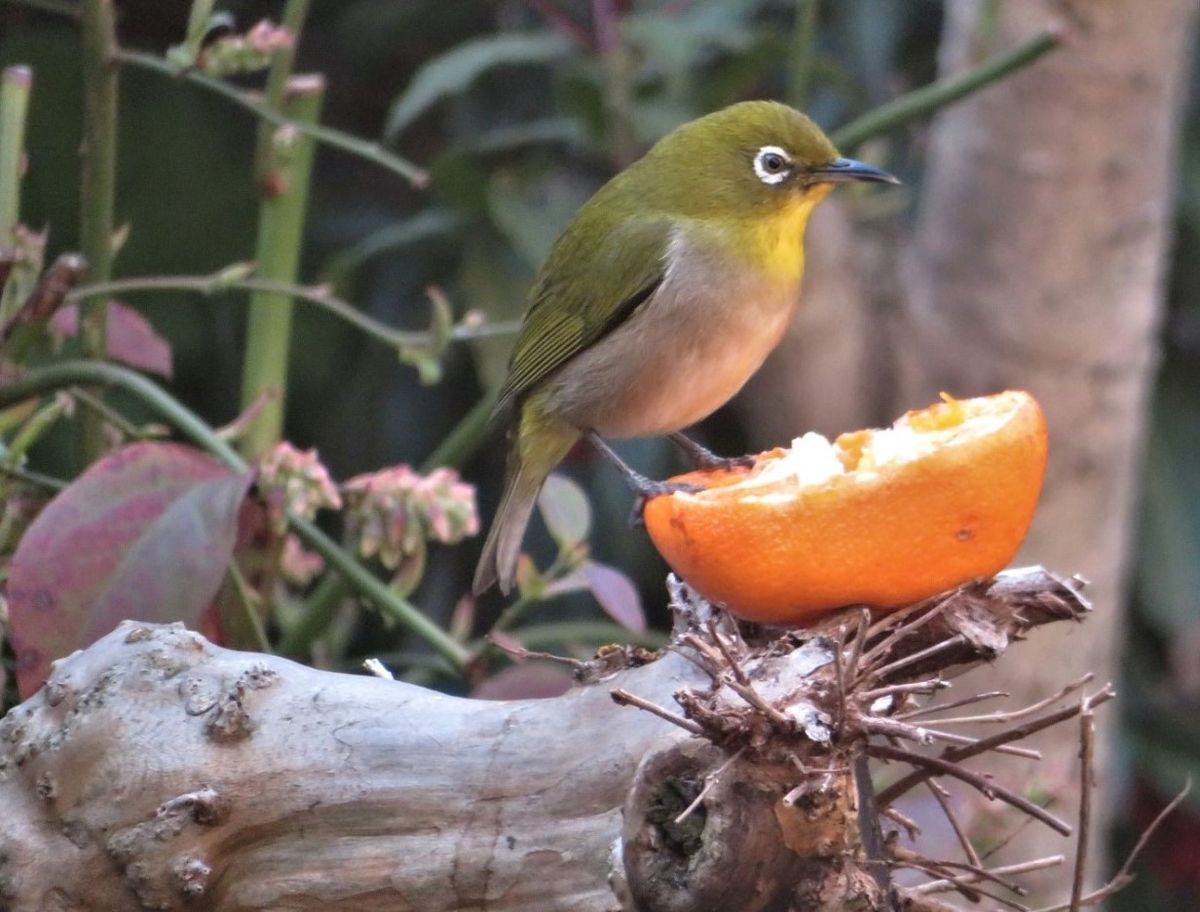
column 942, row 707
column 934, row 766
column 1015, row 714
column 1024, row 867
column 709, row 781
column 954, row 755
column 1087, row 782
column 625, row 698
column 943, row 798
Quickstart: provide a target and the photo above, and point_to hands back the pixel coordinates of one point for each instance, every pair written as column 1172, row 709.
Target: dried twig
column 625, row 698
column 942, row 707
column 934, row 766
column 1015, row 714
column 954, row 755
column 1087, row 782
column 943, row 798
column 1124, row 876
column 709, row 781
column 856, row 648
column 1024, row 867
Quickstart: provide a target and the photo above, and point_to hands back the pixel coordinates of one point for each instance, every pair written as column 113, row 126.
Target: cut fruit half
column 877, row 517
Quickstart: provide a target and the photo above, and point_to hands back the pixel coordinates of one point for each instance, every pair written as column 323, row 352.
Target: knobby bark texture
column 157, row 771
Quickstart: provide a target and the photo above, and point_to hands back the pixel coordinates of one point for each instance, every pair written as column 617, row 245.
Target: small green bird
column 667, row 290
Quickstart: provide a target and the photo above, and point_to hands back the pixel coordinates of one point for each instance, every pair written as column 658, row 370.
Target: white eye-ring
column 772, row 164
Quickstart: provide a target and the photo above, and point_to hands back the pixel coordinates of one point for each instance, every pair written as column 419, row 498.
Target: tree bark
column 157, row 771
column 1038, row 263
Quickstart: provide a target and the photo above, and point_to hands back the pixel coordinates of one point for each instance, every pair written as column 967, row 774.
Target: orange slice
column 877, row 517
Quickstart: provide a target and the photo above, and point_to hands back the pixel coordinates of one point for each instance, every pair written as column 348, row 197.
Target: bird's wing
column 583, row 292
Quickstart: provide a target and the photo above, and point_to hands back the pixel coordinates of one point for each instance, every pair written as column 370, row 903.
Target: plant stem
column 316, row 615
column 284, row 185
column 464, row 440
column 804, row 43
column 387, row 601
column 198, row 20
column 276, row 90
column 250, row 605
column 315, row 295
column 15, row 85
column 938, row 94
column 369, row 151
column 98, row 187
column 68, row 373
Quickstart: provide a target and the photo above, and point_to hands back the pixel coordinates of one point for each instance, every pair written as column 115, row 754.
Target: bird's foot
column 646, row 490
column 704, row 458
column 643, row 488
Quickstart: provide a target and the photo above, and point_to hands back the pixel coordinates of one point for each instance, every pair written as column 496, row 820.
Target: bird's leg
column 644, row 488
column 704, row 458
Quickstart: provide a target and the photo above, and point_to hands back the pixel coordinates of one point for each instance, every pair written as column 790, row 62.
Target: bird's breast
column 683, row 353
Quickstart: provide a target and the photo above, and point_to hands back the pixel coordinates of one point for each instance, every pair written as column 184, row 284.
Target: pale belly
column 682, row 355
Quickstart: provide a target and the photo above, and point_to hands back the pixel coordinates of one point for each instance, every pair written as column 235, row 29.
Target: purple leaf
column 129, row 337
column 523, row 682
column 145, row 533
column 617, row 595
column 565, row 509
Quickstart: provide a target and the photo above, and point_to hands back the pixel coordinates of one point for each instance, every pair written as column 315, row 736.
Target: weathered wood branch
column 157, row 771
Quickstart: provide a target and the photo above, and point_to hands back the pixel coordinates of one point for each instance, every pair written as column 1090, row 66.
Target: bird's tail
column 537, row 447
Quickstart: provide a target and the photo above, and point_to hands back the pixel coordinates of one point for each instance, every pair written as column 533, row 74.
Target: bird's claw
column 648, row 490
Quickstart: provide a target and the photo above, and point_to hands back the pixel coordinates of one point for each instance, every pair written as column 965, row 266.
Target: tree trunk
column 1038, row 264
column 156, row 771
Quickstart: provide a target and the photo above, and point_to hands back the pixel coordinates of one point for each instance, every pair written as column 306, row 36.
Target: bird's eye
column 772, row 164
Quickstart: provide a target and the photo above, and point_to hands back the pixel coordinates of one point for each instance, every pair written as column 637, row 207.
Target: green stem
column 315, row 617
column 98, row 186
column 942, row 92
column 276, row 90
column 107, row 413
column 369, row 151
column 285, row 188
column 315, row 295
column 804, row 42
column 62, row 374
column 391, row 604
column 250, row 605
column 37, row 425
column 34, row 478
column 67, row 373
column 464, row 440
column 16, row 82
column 198, row 20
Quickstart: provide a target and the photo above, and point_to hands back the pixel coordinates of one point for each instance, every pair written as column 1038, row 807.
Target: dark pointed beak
column 844, row 170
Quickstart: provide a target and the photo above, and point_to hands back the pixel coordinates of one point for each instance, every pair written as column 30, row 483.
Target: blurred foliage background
column 520, row 109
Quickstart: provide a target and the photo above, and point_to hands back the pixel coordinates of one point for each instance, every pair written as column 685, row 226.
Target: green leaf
column 566, row 510
column 455, row 70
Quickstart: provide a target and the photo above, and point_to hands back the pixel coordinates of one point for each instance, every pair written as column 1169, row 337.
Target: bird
column 662, row 296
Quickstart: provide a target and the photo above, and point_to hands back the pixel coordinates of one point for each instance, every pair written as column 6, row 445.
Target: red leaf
column 523, row 682
column 146, row 533
column 617, row 595
column 129, row 337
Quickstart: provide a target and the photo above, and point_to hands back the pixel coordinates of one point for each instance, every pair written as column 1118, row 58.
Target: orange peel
column 883, row 518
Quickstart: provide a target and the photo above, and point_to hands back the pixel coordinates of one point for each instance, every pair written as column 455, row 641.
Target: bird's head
column 748, row 156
